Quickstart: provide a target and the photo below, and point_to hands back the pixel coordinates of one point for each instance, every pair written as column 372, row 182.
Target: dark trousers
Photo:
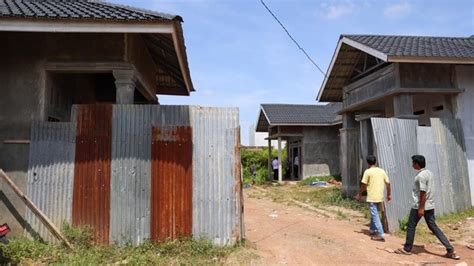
column 295, row 168
column 430, row 221
column 275, row 174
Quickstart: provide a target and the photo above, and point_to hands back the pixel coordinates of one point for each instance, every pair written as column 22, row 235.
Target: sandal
column 402, row 251
column 378, row 238
column 452, row 255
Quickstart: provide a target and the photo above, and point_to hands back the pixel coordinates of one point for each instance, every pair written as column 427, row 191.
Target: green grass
column 319, row 197
column 182, row 251
column 309, row 180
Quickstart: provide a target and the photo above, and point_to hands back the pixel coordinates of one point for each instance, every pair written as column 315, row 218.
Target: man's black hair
column 371, row 159
column 419, row 159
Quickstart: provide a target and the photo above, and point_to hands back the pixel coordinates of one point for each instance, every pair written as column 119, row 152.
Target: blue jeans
column 375, row 223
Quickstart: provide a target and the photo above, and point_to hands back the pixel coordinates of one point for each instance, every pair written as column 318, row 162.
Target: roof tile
column 296, row 114
column 75, row 9
column 418, row 46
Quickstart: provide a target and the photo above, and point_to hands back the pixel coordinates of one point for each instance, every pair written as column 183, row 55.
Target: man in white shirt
column 423, row 195
column 275, row 165
column 296, row 166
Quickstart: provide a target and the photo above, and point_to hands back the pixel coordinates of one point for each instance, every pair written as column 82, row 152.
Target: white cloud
column 208, row 93
column 397, row 10
column 334, row 11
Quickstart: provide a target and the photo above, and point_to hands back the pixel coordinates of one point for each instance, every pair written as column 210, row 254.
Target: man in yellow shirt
column 375, row 179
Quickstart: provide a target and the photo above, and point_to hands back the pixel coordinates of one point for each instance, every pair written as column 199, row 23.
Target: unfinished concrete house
column 59, row 53
column 403, row 95
column 311, row 134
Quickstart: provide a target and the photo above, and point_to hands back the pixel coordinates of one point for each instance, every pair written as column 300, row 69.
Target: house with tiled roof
column 58, row 53
column 401, row 79
column 310, row 134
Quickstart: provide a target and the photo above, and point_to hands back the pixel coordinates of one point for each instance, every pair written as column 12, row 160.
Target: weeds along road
column 283, row 234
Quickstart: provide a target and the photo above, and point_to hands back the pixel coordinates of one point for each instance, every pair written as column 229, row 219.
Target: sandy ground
column 284, row 234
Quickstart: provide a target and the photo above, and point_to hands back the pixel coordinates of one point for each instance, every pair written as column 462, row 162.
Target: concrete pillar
column 270, row 160
column 403, row 106
column 280, row 172
column 349, row 155
column 125, row 86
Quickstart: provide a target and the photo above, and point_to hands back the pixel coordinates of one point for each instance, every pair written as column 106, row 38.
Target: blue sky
column 239, row 56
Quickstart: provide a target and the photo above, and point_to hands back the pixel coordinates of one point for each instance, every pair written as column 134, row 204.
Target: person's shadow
column 417, row 249
column 363, row 231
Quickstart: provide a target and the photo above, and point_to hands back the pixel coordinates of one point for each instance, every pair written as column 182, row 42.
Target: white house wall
column 465, row 112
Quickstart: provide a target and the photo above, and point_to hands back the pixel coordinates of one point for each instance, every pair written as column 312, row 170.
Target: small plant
column 403, row 224
column 78, row 236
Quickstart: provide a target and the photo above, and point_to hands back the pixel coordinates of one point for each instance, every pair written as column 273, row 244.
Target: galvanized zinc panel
column 170, row 115
column 396, row 142
column 130, row 177
column 171, row 184
column 216, row 198
column 50, row 175
column 452, row 164
column 427, row 148
column 91, row 193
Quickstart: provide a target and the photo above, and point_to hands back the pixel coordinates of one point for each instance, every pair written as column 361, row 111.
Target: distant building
column 311, row 133
column 259, row 139
column 252, row 135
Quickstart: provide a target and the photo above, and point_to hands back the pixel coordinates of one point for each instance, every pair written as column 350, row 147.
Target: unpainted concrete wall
column 137, row 53
column 465, row 112
column 23, row 97
column 320, row 149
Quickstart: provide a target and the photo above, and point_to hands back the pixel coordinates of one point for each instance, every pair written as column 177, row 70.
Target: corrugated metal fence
column 443, row 147
column 142, row 172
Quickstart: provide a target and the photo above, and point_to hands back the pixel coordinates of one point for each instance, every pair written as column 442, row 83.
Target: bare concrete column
column 349, row 152
column 280, row 174
column 403, row 106
column 125, row 86
column 270, row 160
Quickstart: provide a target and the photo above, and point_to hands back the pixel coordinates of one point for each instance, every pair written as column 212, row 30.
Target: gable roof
column 297, row 115
column 78, row 9
column 391, row 48
column 417, row 46
column 163, row 33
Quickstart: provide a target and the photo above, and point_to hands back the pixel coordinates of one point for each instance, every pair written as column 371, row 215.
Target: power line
column 293, row 39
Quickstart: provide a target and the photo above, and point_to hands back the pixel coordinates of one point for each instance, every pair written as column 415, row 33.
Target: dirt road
column 284, row 234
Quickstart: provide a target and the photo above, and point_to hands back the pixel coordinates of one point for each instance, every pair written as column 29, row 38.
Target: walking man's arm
column 361, row 190
column 389, row 193
column 421, row 205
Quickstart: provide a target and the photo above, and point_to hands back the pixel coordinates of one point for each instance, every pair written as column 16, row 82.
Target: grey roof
column 78, row 9
column 418, row 45
column 297, row 115
column 410, row 49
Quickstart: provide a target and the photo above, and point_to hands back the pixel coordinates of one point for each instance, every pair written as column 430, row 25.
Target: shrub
column 260, row 159
column 78, row 236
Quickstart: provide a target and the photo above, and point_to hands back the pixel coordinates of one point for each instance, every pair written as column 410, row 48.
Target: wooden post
column 280, row 174
column 42, row 217
column 384, row 218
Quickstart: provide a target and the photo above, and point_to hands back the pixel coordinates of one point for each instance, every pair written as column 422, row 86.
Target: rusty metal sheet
column 171, row 183
column 91, row 193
